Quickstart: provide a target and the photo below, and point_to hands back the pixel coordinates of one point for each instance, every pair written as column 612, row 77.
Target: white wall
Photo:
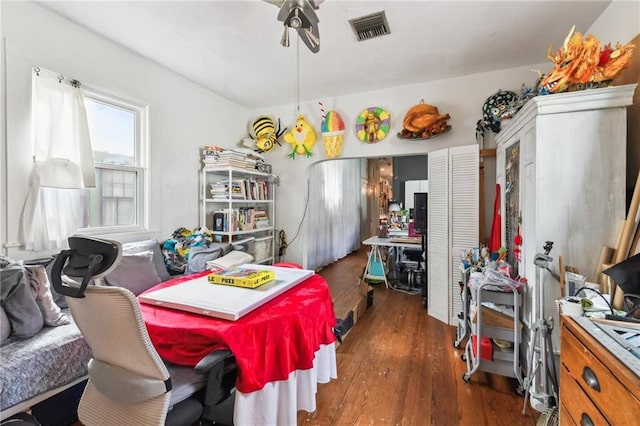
column 462, row 98
column 620, row 22
column 183, row 115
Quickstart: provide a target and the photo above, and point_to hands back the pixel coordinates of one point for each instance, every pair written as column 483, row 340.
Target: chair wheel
column 456, row 345
column 466, row 378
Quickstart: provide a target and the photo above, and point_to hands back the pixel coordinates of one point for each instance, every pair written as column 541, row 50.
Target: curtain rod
column 72, row 81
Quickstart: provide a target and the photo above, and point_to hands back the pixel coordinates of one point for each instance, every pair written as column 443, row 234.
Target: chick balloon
column 302, row 138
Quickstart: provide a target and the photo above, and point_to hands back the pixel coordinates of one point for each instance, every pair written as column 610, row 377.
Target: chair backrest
column 128, row 382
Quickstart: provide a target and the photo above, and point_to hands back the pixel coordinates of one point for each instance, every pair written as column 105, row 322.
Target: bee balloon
column 264, row 134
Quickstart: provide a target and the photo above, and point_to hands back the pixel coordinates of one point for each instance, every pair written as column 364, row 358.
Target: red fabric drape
column 269, row 342
column 495, row 240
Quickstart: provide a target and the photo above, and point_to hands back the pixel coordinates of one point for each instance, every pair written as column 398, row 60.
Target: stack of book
column 215, row 156
column 240, row 189
column 261, row 219
column 209, row 155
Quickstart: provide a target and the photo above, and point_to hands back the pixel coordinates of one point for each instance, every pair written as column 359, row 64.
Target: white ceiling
column 233, row 47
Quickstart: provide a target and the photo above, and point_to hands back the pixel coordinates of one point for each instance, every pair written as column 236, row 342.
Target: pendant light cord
column 298, row 76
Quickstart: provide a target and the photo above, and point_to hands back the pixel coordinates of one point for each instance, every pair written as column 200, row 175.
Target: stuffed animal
column 302, row 138
column 264, row 134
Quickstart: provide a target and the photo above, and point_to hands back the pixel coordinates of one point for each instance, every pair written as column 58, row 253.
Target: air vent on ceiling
column 370, row 26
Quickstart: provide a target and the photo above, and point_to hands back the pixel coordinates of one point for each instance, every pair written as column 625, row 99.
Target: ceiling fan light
column 313, row 40
column 285, row 37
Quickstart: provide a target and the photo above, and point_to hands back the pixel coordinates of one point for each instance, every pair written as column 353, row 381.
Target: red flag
column 495, row 240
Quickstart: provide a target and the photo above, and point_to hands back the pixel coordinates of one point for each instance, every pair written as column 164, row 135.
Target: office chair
column 128, row 381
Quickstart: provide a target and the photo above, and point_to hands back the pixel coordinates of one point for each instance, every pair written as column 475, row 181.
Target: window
column 119, row 141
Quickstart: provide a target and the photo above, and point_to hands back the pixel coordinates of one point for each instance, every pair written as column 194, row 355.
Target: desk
column 279, row 360
column 375, row 255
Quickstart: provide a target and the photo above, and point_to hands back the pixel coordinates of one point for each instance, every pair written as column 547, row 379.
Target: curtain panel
column 63, row 162
column 333, row 225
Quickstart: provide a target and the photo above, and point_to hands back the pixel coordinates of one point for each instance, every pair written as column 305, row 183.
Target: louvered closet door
column 463, row 215
column 438, row 236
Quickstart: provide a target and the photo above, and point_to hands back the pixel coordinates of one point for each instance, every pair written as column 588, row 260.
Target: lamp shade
column 395, row 207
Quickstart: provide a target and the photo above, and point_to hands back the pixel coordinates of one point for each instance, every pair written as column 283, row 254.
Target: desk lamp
column 394, row 208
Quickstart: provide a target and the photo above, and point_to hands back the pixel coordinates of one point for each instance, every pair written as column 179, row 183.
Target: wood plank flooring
column 398, row 366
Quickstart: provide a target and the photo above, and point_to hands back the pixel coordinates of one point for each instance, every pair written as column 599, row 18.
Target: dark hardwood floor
column 398, row 366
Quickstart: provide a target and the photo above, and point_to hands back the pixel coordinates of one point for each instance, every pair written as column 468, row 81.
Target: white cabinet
column 452, row 225
column 410, row 188
column 561, row 168
column 238, row 206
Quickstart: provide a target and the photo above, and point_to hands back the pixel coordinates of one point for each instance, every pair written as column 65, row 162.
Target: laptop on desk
column 221, row 301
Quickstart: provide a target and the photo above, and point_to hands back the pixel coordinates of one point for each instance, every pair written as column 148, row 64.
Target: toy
column 501, row 105
column 584, row 63
column 302, row 138
column 332, row 129
column 373, row 124
column 423, row 121
column 264, row 134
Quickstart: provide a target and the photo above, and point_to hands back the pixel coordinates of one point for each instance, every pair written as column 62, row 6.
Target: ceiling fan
column 301, row 16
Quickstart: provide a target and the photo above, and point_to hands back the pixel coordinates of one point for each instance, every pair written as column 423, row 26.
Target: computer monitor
column 420, row 212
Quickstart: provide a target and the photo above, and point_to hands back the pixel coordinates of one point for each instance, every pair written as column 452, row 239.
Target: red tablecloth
column 269, row 343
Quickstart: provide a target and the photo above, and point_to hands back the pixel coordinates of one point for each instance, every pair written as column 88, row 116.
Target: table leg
column 374, row 254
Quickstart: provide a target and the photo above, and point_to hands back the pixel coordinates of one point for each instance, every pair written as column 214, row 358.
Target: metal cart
column 505, row 361
column 463, row 329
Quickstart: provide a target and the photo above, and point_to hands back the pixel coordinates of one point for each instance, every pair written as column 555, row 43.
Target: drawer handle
column 585, row 420
column 590, row 379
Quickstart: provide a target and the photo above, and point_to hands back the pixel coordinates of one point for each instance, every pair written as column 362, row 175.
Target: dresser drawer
column 579, row 407
column 580, row 367
column 565, row 417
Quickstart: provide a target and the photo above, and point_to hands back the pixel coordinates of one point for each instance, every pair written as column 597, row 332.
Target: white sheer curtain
column 63, row 162
column 333, row 225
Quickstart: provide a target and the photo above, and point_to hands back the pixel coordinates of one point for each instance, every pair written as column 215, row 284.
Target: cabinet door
column 452, row 225
column 464, row 180
column 438, row 236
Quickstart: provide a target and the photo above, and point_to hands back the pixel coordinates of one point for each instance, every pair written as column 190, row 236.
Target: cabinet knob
column 590, row 378
column 585, row 420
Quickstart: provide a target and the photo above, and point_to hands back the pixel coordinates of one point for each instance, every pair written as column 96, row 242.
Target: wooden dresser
column 596, row 387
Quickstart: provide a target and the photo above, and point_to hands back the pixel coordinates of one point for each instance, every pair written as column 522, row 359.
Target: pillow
column 5, row 326
column 135, row 272
column 19, row 304
column 40, row 286
column 158, row 258
column 235, row 258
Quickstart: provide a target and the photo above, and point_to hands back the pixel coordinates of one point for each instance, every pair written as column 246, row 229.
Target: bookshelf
column 238, row 206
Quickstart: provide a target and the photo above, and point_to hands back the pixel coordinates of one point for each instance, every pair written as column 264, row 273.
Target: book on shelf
column 239, row 219
column 240, row 189
column 242, row 277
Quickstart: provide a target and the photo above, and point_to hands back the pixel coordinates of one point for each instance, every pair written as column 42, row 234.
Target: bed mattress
column 52, row 358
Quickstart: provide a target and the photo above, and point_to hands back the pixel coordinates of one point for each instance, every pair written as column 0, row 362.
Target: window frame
column 141, row 161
